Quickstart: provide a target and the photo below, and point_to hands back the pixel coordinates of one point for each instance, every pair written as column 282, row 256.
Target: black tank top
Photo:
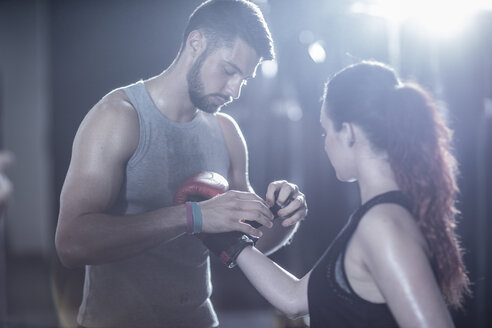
column 332, row 301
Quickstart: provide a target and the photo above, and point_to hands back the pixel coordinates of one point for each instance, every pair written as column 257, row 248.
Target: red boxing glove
column 201, row 186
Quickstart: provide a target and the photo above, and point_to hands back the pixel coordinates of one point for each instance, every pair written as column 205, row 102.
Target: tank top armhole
column 341, row 278
column 142, row 142
column 139, row 152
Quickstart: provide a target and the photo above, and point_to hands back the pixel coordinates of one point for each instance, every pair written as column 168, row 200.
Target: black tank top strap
column 394, row 196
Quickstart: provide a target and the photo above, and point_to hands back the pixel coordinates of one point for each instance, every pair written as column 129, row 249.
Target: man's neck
column 169, row 92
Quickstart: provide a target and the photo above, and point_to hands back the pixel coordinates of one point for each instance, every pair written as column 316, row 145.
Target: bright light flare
column 269, row 69
column 317, row 52
column 439, row 17
column 288, row 107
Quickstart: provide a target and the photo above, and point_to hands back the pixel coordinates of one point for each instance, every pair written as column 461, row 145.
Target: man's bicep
column 101, row 148
column 88, row 191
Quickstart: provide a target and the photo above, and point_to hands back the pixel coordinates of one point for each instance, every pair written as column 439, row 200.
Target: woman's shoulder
column 389, row 225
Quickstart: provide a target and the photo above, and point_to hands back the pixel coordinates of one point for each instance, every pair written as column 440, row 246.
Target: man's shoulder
column 113, row 114
column 116, row 98
column 115, row 104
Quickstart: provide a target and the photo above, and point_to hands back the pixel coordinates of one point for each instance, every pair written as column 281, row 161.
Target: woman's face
column 339, row 154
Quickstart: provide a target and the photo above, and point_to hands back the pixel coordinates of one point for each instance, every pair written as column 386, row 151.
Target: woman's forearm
column 282, row 289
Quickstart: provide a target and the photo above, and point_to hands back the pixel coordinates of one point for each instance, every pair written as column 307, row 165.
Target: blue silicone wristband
column 197, row 217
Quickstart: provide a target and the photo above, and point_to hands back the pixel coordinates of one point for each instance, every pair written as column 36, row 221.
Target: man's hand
column 223, row 210
column 292, row 202
column 226, row 244
column 228, row 211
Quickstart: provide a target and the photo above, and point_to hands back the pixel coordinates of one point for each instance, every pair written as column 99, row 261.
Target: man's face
column 216, row 77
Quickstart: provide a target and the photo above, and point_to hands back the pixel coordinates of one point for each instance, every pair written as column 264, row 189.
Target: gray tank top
column 169, row 285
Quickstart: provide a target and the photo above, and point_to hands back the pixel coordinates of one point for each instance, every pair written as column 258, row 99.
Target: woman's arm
column 279, row 287
column 394, row 252
column 282, row 231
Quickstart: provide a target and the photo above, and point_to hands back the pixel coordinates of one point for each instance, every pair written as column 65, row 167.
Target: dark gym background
column 58, row 58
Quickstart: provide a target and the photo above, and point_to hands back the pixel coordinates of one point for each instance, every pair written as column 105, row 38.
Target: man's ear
column 196, row 43
column 348, row 134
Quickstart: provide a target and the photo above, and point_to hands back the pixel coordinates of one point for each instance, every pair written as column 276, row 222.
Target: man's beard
column 195, row 88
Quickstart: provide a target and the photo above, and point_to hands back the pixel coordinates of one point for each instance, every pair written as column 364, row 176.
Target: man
column 130, row 155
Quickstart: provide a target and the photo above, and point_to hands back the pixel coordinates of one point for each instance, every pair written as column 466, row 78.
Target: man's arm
column 87, row 234
column 105, row 141
column 277, row 236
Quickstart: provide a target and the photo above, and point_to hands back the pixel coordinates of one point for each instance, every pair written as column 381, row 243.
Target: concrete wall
column 25, row 124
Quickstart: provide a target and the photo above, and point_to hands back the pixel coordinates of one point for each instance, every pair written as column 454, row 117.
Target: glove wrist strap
column 229, row 255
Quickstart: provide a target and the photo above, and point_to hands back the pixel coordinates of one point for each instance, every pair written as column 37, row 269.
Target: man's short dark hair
column 222, row 21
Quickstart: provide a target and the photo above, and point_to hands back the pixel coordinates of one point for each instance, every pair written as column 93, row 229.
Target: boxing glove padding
column 201, row 186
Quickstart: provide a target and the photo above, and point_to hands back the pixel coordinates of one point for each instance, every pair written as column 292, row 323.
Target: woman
column 397, row 261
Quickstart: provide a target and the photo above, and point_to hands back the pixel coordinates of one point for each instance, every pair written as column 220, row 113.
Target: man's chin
column 210, row 109
column 210, row 106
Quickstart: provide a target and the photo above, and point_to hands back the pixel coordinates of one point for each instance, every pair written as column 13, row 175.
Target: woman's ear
column 348, row 134
column 196, row 43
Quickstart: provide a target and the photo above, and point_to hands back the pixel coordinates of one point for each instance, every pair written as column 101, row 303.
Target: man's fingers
column 261, row 217
column 250, row 207
column 253, row 209
column 247, row 229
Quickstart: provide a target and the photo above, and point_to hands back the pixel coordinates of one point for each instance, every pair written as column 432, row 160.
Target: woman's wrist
column 242, row 258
